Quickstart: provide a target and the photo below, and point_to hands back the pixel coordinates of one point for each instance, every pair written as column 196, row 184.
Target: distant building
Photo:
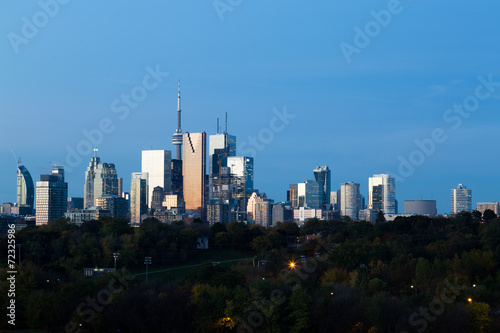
column 100, row 179
column 25, row 189
column 461, row 199
column 323, row 176
column 7, row 208
column 115, row 204
column 80, row 216
column 218, row 213
column 51, row 196
column 335, row 199
column 158, row 196
column 194, row 171
column 420, row 207
column 351, row 201
column 494, row 206
column 174, row 201
column 252, row 204
column 157, row 163
column 264, row 213
column 302, row 214
column 382, row 194
column 368, row 215
column 241, row 179
column 220, row 147
column 120, row 186
column 177, row 176
column 293, row 195
column 310, row 194
column 138, row 196
column 282, row 212
column 75, row 203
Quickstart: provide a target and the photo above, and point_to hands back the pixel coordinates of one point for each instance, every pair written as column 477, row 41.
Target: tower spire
column 177, row 137
column 226, row 124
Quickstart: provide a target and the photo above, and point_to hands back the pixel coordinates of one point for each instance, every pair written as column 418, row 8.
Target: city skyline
column 288, row 86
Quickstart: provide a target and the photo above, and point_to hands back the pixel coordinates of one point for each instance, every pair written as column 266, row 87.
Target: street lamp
column 147, row 261
column 292, row 264
column 115, row 255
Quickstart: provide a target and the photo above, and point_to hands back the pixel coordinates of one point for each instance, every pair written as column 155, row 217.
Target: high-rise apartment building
column 138, row 196
column 382, row 194
column 293, row 196
column 252, row 204
column 25, row 188
column 461, row 199
column 157, row 163
column 51, row 196
column 100, row 179
column 350, row 200
column 263, row 214
column 323, row 176
column 193, row 170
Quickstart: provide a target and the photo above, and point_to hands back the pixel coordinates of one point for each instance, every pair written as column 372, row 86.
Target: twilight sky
column 410, row 88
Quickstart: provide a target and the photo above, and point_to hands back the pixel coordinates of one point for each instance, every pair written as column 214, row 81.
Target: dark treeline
column 413, row 274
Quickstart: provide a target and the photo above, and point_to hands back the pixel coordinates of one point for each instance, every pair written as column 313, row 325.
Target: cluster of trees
column 413, row 274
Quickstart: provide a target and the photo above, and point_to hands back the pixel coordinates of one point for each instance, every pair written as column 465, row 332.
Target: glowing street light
column 115, row 255
column 292, row 264
column 469, row 300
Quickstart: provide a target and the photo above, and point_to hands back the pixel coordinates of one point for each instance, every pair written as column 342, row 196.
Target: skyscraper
column 157, row 163
column 25, row 188
column 221, row 146
column 310, row 194
column 242, row 179
column 323, row 176
column 193, row 170
column 138, row 196
column 100, row 179
column 51, row 196
column 294, row 197
column 382, row 193
column 461, row 199
column 350, row 200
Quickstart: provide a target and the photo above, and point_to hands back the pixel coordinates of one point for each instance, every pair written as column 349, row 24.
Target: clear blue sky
column 248, row 58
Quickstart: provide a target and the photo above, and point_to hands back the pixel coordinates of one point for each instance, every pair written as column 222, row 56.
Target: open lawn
column 179, row 271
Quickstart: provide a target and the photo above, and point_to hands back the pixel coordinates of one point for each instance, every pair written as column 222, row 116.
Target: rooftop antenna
column 226, row 123
column 218, row 128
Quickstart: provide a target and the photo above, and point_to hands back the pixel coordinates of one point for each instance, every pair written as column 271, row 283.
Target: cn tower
column 177, row 137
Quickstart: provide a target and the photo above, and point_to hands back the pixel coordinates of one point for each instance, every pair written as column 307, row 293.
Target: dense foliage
column 413, row 274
